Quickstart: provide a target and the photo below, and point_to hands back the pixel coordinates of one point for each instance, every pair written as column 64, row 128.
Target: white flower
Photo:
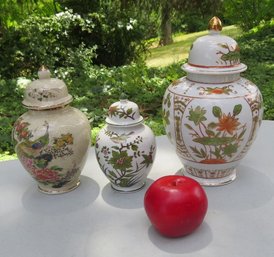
column 129, row 27
column 60, row 14
column 133, row 21
column 120, row 24
column 22, row 82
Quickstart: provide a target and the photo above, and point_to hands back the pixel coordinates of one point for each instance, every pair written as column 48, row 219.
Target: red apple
column 175, row 205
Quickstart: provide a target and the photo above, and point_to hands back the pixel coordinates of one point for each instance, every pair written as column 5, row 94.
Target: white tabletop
column 96, row 221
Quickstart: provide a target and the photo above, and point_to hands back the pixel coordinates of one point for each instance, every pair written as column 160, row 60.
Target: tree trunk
column 166, row 30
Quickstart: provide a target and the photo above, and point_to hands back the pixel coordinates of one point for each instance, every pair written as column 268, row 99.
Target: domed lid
column 214, row 53
column 46, row 92
column 123, row 113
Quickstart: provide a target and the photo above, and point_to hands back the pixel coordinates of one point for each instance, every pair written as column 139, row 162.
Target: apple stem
column 176, row 182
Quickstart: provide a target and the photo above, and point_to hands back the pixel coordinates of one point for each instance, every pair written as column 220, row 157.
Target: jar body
column 125, row 154
column 212, row 126
column 52, row 145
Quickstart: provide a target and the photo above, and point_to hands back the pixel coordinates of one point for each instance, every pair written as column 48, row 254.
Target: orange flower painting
column 228, row 123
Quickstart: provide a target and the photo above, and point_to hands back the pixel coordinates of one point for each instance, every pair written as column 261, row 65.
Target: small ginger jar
column 125, row 147
column 213, row 114
column 52, row 138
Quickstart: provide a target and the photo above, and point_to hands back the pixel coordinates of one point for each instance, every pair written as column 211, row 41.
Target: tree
column 249, row 13
column 191, row 11
column 165, row 28
column 80, row 6
column 13, row 12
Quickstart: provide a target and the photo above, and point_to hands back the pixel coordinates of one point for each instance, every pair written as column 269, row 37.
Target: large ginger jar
column 213, row 114
column 125, row 147
column 52, row 138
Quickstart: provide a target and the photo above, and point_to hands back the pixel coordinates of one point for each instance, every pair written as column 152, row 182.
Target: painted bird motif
column 31, row 148
column 120, row 138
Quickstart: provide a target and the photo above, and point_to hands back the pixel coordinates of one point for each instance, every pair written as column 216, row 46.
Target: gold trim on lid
column 215, row 24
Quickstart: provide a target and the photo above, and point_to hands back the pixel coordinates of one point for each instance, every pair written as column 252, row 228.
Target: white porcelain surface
column 212, row 126
column 214, row 50
column 125, row 147
column 126, row 155
column 214, row 53
column 212, row 115
column 123, row 113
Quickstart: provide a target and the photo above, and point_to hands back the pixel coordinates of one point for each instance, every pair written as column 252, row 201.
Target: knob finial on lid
column 215, row 24
column 44, row 72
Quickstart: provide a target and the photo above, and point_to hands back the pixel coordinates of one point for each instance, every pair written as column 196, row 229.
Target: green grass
column 7, row 157
column 178, row 50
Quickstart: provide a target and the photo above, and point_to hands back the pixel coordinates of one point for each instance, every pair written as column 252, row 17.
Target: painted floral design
column 227, row 123
column 166, row 113
column 37, row 155
column 117, row 110
column 21, row 129
column 175, row 83
column 231, row 56
column 226, row 90
column 41, row 94
column 121, row 162
column 218, row 141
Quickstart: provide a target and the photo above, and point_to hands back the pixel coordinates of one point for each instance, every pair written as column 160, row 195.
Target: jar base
column 56, row 191
column 133, row 188
column 211, row 182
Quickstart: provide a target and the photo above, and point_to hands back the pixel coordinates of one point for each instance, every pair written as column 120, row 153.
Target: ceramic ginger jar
column 52, row 138
column 213, row 114
column 125, row 147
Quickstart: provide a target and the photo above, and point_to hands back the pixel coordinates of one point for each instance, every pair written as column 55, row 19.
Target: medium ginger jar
column 213, row 114
column 125, row 147
column 52, row 138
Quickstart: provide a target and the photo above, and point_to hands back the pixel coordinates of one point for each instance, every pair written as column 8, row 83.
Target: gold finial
column 215, row 24
column 43, row 68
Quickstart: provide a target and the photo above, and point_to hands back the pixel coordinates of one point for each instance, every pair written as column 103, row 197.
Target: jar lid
column 46, row 92
column 123, row 113
column 214, row 53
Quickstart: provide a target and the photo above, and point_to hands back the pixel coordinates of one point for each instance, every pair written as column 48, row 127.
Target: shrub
column 248, row 13
column 60, row 40
column 257, row 51
column 11, row 93
column 94, row 88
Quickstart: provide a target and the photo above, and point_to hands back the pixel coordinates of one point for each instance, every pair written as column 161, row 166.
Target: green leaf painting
column 124, row 162
column 197, row 115
column 217, row 112
column 237, row 109
column 218, row 141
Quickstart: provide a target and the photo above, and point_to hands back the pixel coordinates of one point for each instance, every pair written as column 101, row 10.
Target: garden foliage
column 257, row 52
column 95, row 87
column 60, row 40
column 248, row 13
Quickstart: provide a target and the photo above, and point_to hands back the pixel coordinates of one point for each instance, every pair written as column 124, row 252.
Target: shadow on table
column 250, row 190
column 196, row 241
column 129, row 200
column 81, row 197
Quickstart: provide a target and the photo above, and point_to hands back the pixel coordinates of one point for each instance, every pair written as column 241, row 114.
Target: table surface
column 96, row 221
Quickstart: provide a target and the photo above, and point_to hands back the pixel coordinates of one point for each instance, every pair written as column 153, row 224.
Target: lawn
column 166, row 55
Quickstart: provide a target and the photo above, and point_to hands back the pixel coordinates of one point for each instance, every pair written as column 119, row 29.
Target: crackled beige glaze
column 52, row 138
